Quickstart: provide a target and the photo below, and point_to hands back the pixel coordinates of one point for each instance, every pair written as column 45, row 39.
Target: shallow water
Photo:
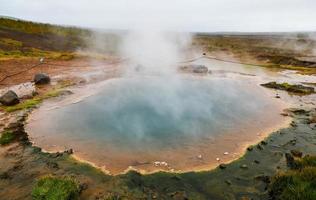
column 185, row 121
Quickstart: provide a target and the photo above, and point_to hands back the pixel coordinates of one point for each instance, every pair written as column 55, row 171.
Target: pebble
column 250, row 148
column 218, row 159
column 228, row 182
column 226, row 153
column 244, row 166
column 199, row 156
column 158, row 163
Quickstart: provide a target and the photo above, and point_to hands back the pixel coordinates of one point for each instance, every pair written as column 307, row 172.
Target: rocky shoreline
column 247, row 177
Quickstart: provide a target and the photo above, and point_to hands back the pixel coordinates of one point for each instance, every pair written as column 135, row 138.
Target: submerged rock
column 41, row 78
column 10, row 98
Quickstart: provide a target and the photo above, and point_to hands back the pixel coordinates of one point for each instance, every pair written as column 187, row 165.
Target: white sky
column 190, row 15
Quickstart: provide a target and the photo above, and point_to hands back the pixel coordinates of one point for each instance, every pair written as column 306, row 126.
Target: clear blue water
column 133, row 112
column 141, row 116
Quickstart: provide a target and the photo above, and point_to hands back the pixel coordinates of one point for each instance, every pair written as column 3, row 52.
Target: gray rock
column 256, row 161
column 9, row 98
column 41, row 78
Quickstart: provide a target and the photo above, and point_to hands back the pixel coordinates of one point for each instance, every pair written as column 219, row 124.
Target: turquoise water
column 141, row 116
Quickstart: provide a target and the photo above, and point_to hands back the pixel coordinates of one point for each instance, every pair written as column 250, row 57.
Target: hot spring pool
column 186, row 122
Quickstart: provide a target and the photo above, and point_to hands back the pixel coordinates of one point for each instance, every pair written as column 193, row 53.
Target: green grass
column 298, row 184
column 10, row 42
column 36, row 53
column 307, row 161
column 53, row 188
column 30, row 103
column 41, row 28
column 6, row 137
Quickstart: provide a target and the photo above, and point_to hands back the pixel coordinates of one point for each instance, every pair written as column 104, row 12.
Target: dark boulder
column 9, row 98
column 41, row 79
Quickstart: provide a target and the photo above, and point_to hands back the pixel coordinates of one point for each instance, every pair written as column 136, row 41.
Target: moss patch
column 30, row 103
column 6, row 138
column 53, row 188
column 299, row 89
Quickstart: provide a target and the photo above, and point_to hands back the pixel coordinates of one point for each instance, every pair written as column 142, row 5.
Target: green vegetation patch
column 7, row 137
column 54, row 188
column 36, row 53
column 10, row 42
column 30, row 103
column 298, row 184
column 300, row 89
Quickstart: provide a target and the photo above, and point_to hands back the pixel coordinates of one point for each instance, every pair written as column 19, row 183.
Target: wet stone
column 228, row 182
column 256, row 161
column 259, row 147
column 296, row 153
column 243, row 166
column 263, row 142
column 222, row 166
column 250, row 148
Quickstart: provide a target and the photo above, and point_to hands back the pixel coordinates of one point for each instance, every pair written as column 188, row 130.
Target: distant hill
column 40, row 36
column 20, row 38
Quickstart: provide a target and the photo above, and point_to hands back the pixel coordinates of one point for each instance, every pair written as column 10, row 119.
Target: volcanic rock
column 9, row 98
column 41, row 78
column 243, row 166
